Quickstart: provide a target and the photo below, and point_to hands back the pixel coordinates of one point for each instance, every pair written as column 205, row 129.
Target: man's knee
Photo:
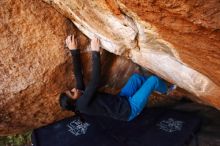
column 154, row 78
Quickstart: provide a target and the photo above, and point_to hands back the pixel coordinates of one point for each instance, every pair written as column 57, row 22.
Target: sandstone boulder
column 177, row 40
column 35, row 68
column 170, row 38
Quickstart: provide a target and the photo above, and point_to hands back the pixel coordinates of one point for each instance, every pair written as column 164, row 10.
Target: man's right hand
column 95, row 44
column 71, row 42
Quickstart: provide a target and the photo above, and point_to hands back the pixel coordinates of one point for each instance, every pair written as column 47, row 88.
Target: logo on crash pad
column 77, row 127
column 170, row 125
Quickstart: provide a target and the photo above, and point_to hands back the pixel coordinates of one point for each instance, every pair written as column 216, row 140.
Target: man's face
column 74, row 93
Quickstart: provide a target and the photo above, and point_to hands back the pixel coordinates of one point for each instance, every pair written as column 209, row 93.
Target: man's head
column 68, row 99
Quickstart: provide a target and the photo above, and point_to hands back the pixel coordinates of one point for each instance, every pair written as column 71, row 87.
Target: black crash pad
column 154, row 127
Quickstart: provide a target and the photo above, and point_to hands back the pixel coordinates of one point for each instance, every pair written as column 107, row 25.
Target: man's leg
column 140, row 98
column 132, row 85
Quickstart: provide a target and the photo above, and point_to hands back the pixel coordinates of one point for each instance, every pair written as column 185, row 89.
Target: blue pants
column 138, row 89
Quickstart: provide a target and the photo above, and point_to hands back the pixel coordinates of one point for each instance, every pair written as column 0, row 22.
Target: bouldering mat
column 153, row 127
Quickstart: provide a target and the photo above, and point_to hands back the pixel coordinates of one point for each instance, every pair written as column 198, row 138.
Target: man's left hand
column 71, row 42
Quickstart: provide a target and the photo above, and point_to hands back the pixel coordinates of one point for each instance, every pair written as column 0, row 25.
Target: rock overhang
column 124, row 33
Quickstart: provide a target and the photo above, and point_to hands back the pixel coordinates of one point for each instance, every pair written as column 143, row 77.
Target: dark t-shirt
column 93, row 102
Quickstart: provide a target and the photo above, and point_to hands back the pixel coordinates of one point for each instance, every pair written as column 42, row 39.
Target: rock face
column 177, row 40
column 35, row 68
column 172, row 39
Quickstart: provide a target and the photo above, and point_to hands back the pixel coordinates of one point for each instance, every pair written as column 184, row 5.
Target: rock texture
column 173, row 39
column 35, row 68
column 177, row 40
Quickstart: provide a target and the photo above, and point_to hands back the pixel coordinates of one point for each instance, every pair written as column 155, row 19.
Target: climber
column 125, row 106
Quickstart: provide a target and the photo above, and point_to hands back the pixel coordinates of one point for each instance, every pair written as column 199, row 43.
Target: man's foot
column 171, row 89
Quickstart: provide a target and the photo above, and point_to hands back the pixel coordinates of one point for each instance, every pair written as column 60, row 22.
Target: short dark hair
column 67, row 103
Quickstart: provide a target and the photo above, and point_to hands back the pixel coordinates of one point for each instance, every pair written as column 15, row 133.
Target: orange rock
column 34, row 66
column 177, row 40
column 192, row 27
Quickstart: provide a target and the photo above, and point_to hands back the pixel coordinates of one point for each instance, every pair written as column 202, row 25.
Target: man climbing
column 125, row 106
